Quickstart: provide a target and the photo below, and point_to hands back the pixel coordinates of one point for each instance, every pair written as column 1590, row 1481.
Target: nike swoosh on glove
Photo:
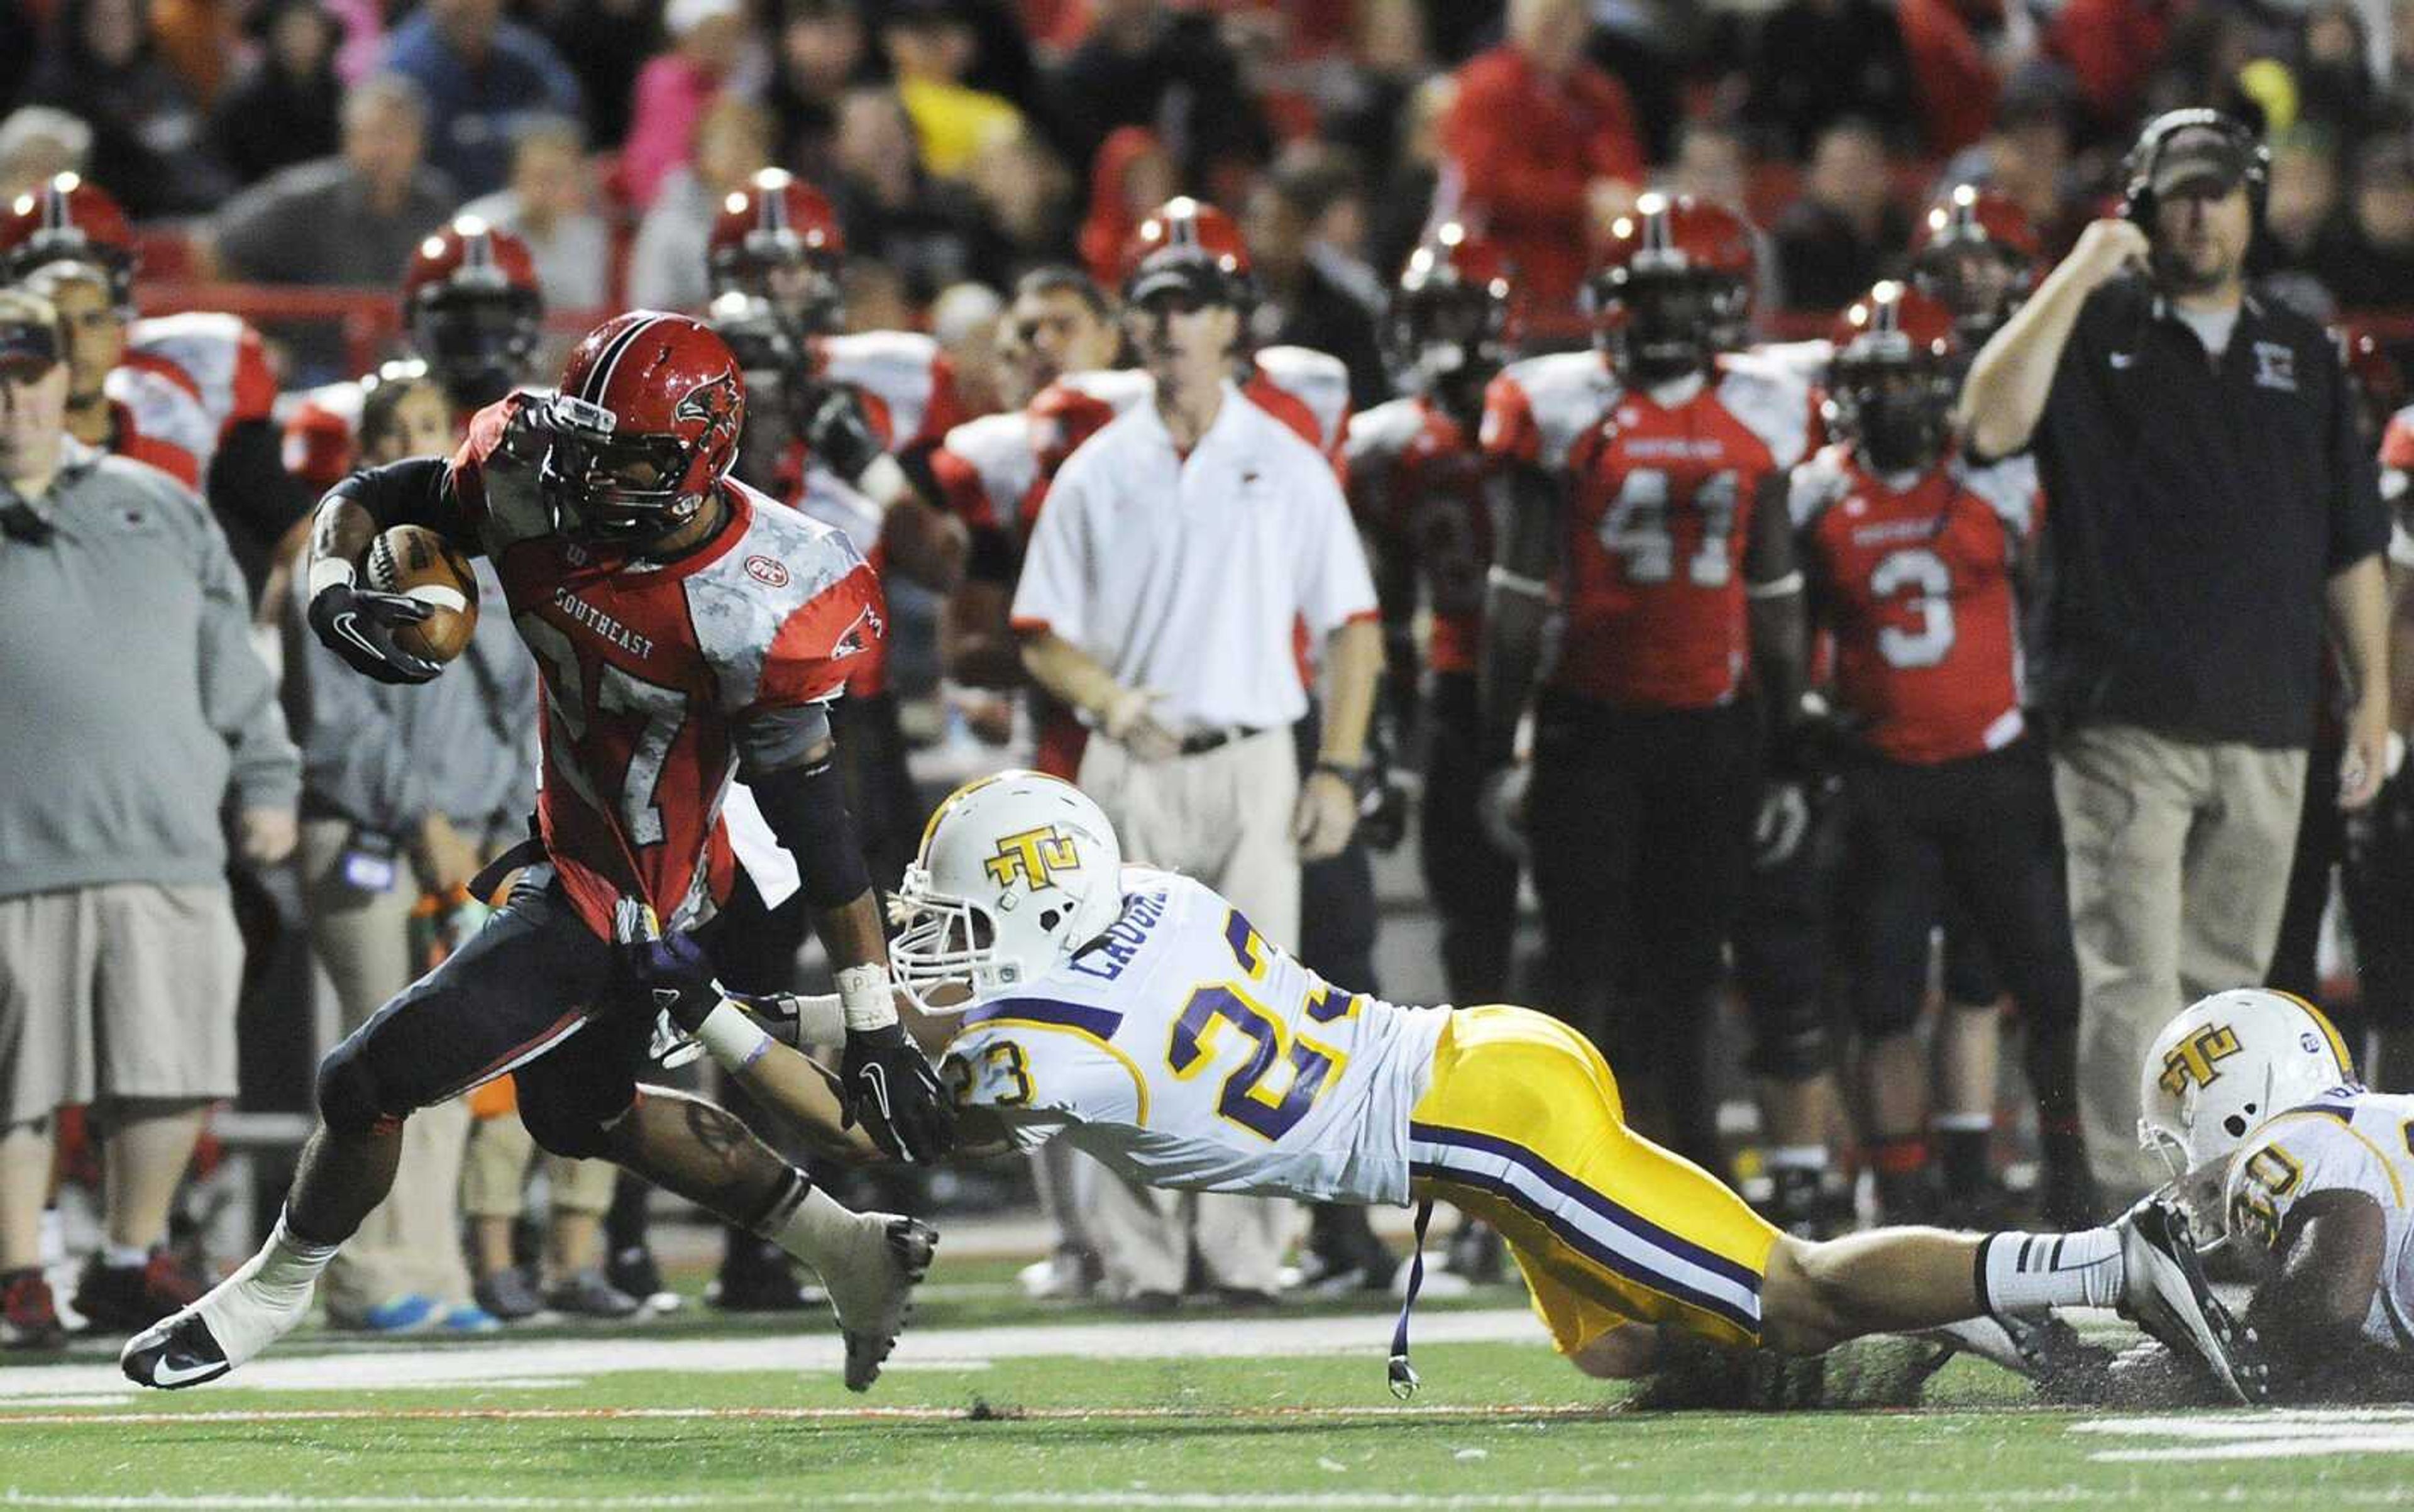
column 889, row 1084
column 358, row 625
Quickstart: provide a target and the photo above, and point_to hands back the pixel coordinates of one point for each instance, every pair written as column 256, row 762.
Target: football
column 415, row 562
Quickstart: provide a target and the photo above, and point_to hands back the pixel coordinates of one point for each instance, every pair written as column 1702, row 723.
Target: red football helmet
column 1891, row 384
column 644, row 429
column 68, row 220
column 1976, row 252
column 1673, row 287
column 778, row 238
column 471, row 302
column 1448, row 323
column 1186, row 244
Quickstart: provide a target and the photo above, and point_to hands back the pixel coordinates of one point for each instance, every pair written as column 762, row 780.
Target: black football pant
column 1783, row 953
column 1641, row 821
column 1472, row 883
column 1983, row 831
column 2373, row 853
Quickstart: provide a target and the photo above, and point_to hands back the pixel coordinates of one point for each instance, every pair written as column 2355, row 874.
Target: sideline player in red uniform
column 685, row 629
column 1915, row 556
column 1650, row 489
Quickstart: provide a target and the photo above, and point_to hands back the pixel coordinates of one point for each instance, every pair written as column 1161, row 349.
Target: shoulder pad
column 1317, row 379
column 2009, row 487
column 1383, row 432
column 1824, row 478
column 1561, row 392
column 1774, row 404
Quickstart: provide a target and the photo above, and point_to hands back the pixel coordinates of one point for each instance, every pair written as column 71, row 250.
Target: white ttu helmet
column 2227, row 1064
column 1016, row 872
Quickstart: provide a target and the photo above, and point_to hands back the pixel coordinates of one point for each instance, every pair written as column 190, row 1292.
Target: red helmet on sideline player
column 70, row 220
column 471, row 302
column 1673, row 289
column 1448, row 321
column 1891, row 386
column 644, row 429
column 779, row 238
column 1975, row 253
column 1186, row 244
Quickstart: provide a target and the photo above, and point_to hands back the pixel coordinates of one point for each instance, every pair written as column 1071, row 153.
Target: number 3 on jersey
column 1246, row 1099
column 617, row 692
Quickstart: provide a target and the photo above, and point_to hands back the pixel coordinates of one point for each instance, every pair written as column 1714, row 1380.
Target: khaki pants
column 1224, row 818
column 2178, row 855
column 496, row 1182
column 412, row 1241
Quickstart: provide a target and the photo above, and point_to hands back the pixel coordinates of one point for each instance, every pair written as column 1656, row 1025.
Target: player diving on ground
column 1135, row 1013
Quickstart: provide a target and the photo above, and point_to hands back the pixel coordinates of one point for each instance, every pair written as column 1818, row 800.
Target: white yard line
column 1143, row 1500
column 480, row 1362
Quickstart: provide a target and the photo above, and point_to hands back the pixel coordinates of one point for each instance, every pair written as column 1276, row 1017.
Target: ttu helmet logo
column 1035, row 855
column 2193, row 1060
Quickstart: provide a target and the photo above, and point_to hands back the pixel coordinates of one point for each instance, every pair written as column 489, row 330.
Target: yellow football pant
column 1523, row 1129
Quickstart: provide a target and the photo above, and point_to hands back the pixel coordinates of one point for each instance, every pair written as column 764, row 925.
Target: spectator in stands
column 2336, row 88
column 2210, row 498
column 137, row 710
column 666, row 267
column 821, row 52
column 1146, row 62
column 1412, row 197
column 965, row 321
column 1027, row 196
column 932, row 48
column 1299, row 304
column 479, row 73
column 1847, row 231
column 2303, row 201
column 1713, row 162
column 928, row 231
column 607, row 42
column 1818, row 62
column 2367, row 259
column 406, row 793
column 149, row 145
column 1131, row 175
column 550, row 205
column 1390, row 59
column 709, row 41
column 1541, row 149
column 39, row 142
column 348, row 219
column 289, row 107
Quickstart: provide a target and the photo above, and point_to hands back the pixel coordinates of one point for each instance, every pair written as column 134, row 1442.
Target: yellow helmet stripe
column 2338, row 1045
column 923, row 852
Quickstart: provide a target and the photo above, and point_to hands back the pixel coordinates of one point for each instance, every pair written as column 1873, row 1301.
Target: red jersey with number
column 648, row 669
column 1916, row 579
column 1661, row 496
column 1416, row 480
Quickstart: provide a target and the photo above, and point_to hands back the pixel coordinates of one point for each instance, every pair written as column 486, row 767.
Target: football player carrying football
column 685, row 629
column 1137, row 1014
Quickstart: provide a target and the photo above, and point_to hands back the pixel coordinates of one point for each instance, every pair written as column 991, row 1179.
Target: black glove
column 358, row 625
column 672, row 969
column 889, row 1084
column 839, row 433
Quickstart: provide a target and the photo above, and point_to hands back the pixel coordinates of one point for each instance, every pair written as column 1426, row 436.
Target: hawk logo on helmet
column 2193, row 1060
column 1036, row 855
column 715, row 404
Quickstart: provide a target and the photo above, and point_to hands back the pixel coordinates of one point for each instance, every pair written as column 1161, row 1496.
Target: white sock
column 1968, row 1123
column 287, row 1262
column 1799, row 1157
column 806, row 1222
column 118, row 1256
column 2030, row 1272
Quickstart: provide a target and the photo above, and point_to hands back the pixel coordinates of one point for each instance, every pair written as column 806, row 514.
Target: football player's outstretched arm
column 2310, row 1312
column 1526, row 504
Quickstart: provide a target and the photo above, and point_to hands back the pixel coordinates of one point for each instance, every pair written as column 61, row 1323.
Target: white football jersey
column 1183, row 1050
column 2350, row 1141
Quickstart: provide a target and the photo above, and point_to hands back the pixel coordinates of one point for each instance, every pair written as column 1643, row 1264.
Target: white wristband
column 820, row 1020
column 331, row 572
column 732, row 1039
column 865, row 998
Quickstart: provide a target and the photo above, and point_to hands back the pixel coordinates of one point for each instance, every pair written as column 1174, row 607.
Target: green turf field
column 1015, row 1406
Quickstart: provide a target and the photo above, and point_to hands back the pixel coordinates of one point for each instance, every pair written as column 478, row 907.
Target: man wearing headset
column 2211, row 510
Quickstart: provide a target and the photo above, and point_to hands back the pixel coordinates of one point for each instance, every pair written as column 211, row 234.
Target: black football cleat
column 173, row 1354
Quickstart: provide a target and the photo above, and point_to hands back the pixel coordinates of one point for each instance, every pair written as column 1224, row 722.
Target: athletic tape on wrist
column 331, row 572
column 865, row 997
column 730, row 1038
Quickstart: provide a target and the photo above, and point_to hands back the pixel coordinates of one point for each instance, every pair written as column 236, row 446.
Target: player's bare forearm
column 2312, row 1309
column 341, row 531
column 851, row 933
column 1072, row 674
column 1525, row 503
column 806, row 1095
column 927, row 545
column 976, row 646
column 1781, row 640
column 1353, row 665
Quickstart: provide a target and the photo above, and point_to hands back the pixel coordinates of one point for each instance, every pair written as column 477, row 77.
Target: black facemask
column 1900, row 421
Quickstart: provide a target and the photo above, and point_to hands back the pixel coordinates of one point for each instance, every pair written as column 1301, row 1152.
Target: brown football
column 415, row 562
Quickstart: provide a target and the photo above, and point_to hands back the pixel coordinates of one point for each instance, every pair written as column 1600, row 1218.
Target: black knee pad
column 1795, row 1047
column 349, row 1100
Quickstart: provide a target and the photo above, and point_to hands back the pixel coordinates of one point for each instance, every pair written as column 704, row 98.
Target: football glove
column 671, row 969
column 839, row 433
column 890, row 1087
column 358, row 625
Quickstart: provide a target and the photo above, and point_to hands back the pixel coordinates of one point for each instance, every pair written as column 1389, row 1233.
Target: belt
column 1201, row 741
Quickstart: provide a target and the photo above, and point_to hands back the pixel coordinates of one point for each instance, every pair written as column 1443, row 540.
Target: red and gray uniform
column 220, row 358
column 155, row 417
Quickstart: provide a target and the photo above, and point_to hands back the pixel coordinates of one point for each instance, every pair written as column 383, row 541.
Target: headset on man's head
column 2138, row 168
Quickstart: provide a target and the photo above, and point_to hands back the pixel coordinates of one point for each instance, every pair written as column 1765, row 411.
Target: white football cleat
column 872, row 1288
column 2167, row 1295
column 233, row 1321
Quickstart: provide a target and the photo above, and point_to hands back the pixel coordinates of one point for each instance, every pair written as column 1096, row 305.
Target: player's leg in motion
column 1523, row 1125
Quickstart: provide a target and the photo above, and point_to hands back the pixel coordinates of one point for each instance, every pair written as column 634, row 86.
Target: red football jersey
column 220, row 357
column 647, row 669
column 1662, row 499
column 1917, row 585
column 1415, row 478
column 156, row 418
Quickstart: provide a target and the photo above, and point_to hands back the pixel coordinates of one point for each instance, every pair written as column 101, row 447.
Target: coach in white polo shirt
column 1181, row 550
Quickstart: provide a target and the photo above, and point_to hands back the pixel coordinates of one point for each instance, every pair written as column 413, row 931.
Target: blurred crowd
column 443, row 192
